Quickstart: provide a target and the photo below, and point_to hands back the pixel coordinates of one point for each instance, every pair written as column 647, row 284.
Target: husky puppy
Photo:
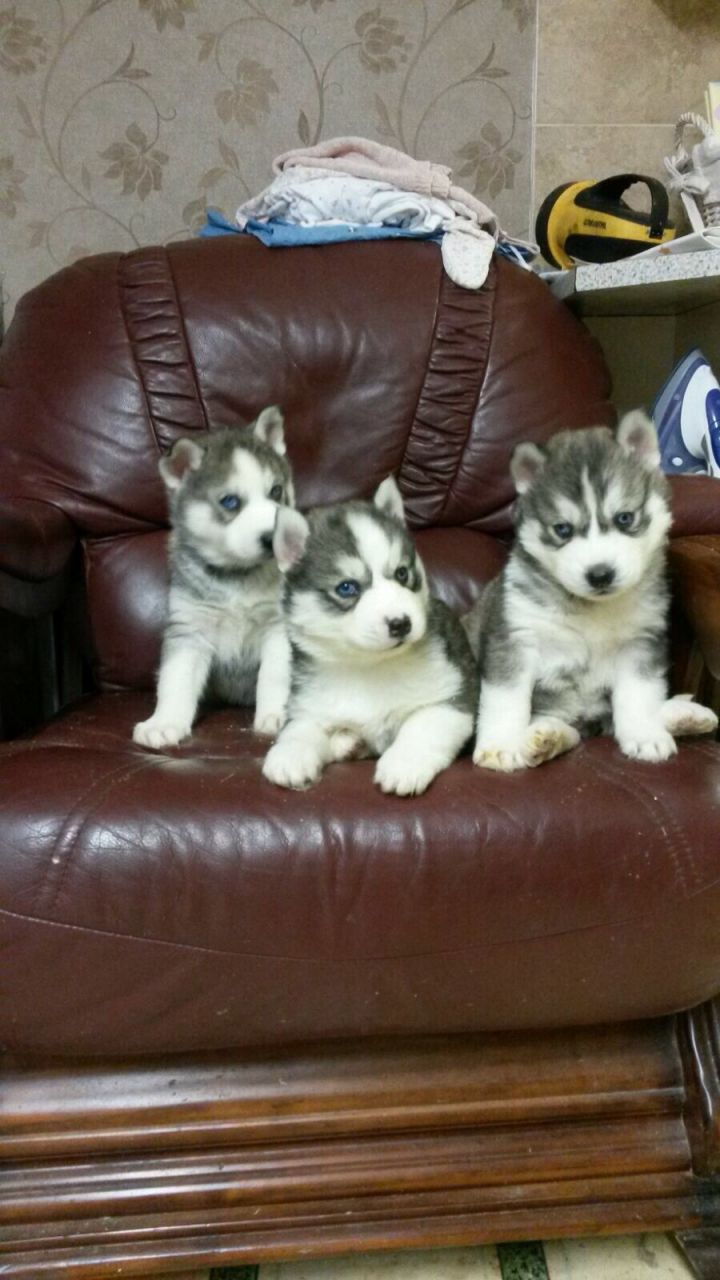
column 572, row 636
column 224, row 631
column 379, row 667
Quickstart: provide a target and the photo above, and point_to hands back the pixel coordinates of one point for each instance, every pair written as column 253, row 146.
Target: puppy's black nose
column 399, row 627
column 600, row 576
column 266, row 541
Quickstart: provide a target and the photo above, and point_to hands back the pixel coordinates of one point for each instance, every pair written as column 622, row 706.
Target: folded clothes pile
column 356, row 189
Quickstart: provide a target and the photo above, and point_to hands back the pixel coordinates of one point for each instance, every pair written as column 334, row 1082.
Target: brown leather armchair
column 239, row 1022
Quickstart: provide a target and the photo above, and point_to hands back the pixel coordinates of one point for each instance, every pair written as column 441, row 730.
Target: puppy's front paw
column 683, row 717
column 400, row 775
column 293, row 766
column 157, row 733
column 503, row 759
column 268, row 722
column 547, row 738
column 653, row 747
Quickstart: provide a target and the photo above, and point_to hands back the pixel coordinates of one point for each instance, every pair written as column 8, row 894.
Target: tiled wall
column 612, row 78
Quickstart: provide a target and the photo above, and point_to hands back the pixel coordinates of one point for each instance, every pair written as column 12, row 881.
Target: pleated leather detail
column 156, row 330
column 443, row 419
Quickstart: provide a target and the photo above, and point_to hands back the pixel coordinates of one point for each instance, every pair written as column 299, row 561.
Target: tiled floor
column 650, row 1257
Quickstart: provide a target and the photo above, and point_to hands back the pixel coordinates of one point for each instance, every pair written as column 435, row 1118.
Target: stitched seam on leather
column 99, row 790
column 183, row 329
column 385, row 958
column 639, row 794
column 388, row 958
column 133, row 352
column 481, row 385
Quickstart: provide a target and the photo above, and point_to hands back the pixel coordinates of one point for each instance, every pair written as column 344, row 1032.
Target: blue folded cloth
column 279, row 234
column 216, row 225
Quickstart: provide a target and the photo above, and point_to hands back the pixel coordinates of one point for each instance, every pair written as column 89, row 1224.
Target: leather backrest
column 379, row 361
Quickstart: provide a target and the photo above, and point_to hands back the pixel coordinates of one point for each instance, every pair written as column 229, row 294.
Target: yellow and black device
column 590, row 221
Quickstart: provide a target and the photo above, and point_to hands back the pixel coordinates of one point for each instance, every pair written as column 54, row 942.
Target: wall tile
column 619, row 61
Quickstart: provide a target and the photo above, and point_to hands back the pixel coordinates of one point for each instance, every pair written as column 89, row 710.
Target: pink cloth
column 366, row 159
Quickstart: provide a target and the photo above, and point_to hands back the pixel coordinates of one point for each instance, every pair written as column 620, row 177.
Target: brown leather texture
column 380, row 363
column 695, row 563
column 177, row 901
column 37, row 539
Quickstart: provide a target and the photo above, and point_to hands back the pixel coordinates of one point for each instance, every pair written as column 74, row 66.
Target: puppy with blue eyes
column 224, row 635
column 379, row 667
column 572, row 637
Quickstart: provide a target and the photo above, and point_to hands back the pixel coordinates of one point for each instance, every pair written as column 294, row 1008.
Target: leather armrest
column 36, row 543
column 695, row 505
column 695, row 564
column 36, row 539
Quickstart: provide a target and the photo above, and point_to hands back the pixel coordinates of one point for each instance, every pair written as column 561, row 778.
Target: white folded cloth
column 316, row 197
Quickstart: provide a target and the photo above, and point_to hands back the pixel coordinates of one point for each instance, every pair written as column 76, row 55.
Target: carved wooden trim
column 135, row 1167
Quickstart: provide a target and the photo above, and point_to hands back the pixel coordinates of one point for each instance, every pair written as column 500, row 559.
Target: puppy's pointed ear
column 637, row 437
column 387, row 498
column 526, row 464
column 290, row 538
column 186, row 455
column 269, row 427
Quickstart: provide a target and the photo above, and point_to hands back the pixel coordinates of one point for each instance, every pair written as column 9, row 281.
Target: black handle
column 659, row 203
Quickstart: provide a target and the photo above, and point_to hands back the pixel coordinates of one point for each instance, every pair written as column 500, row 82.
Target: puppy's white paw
column 398, row 774
column 503, row 759
column 156, row 733
column 683, row 717
column 268, row 722
column 295, row 766
column 653, row 747
column 547, row 738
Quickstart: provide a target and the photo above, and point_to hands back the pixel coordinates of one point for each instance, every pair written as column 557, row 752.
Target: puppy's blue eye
column 230, row 501
column 563, row 530
column 402, row 573
column 347, row 590
column 624, row 519
column 276, row 493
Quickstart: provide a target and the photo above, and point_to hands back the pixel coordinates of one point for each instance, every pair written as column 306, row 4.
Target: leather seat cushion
column 178, row 901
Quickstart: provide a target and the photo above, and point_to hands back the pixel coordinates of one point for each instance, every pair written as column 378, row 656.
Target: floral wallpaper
column 124, row 119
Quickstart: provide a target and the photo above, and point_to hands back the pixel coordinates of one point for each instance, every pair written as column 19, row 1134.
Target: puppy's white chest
column 585, row 646
column 235, row 626
column 374, row 700
column 243, row 625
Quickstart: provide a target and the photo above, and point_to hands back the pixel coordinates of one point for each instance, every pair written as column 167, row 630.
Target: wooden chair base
column 129, row 1168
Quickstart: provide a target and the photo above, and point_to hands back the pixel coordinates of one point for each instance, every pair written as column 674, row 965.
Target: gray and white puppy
column 224, row 632
column 572, row 637
column 379, row 667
